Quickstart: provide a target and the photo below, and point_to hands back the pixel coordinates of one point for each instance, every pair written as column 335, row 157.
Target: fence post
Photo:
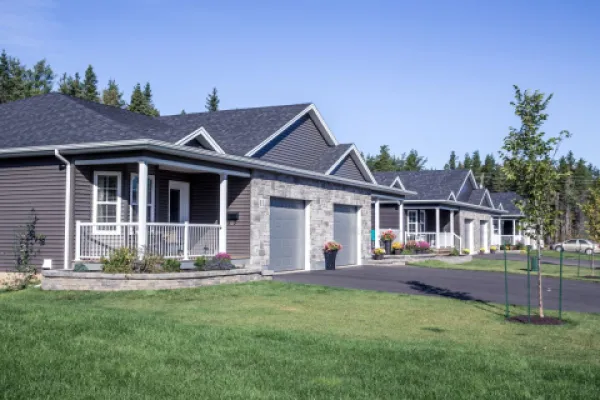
column 186, row 240
column 578, row 262
column 78, row 241
column 529, row 262
column 507, row 311
column 560, row 286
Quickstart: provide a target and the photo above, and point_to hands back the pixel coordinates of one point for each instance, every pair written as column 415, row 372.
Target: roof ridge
column 235, row 109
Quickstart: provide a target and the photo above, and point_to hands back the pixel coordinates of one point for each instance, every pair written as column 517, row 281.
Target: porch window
column 107, row 200
column 133, row 198
column 422, row 221
column 496, row 224
column 412, row 221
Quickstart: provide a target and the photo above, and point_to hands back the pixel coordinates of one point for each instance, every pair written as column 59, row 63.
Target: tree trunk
column 540, row 291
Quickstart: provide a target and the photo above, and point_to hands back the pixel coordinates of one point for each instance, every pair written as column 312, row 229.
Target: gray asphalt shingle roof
column 329, row 157
column 476, row 196
column 236, row 131
column 507, row 199
column 429, row 185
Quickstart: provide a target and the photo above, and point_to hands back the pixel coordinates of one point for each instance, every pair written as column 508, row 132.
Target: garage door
column 287, row 234
column 344, row 232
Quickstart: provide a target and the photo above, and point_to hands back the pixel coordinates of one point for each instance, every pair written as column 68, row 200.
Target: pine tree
column 412, row 162
column 138, row 102
column 5, row 78
column 452, row 162
column 182, row 112
column 212, row 101
column 39, row 79
column 71, row 86
column 488, row 169
column 13, row 79
column 476, row 163
column 90, row 85
column 151, row 110
column 468, row 162
column 112, row 96
column 384, row 161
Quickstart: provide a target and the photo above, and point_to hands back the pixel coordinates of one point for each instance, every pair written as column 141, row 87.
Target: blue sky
column 430, row 75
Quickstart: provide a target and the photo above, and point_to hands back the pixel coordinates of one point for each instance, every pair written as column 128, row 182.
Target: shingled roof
column 507, row 199
column 429, row 185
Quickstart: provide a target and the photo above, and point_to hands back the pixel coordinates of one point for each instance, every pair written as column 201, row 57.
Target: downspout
column 68, row 209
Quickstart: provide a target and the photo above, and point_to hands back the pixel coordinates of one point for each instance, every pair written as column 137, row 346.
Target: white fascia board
column 203, row 134
column 362, row 165
column 192, row 153
column 398, row 182
column 487, row 194
column 452, row 196
column 455, row 203
column 469, row 175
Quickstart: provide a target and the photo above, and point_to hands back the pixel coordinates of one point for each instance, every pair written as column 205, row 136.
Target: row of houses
column 268, row 185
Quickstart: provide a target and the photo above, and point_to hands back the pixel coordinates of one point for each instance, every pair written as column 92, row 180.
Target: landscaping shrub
column 200, row 263
column 454, row 252
column 149, row 264
column 171, row 265
column 121, row 261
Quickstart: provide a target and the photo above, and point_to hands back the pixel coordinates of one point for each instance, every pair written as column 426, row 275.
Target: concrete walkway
column 455, row 284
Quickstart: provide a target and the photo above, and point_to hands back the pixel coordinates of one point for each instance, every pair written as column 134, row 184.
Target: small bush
column 80, row 267
column 171, row 265
column 454, row 252
column 200, row 263
column 121, row 261
column 149, row 264
column 466, row 251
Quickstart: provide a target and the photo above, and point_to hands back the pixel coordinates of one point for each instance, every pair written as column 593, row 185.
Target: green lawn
column 585, row 259
column 514, row 267
column 283, row 341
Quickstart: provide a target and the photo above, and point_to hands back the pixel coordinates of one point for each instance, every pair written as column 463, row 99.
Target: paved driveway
column 461, row 285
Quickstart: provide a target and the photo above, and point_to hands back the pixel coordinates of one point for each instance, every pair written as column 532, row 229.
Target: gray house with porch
column 267, row 185
column 447, row 209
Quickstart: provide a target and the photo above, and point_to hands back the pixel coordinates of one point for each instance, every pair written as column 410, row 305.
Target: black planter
column 377, row 256
column 398, row 252
column 387, row 245
column 330, row 259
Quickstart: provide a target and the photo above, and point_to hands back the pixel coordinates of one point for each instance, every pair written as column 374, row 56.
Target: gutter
column 456, row 204
column 68, row 208
column 193, row 153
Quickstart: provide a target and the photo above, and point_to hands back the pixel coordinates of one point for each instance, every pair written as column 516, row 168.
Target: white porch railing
column 96, row 240
column 447, row 239
column 498, row 240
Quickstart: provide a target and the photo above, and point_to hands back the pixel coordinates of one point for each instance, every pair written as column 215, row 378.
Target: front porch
column 170, row 208
column 506, row 231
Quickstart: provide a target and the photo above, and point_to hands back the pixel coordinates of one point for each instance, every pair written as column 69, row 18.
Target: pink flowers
column 222, row 257
column 422, row 245
column 332, row 246
column 388, row 235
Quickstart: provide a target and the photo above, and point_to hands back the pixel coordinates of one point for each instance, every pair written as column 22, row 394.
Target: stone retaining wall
column 98, row 281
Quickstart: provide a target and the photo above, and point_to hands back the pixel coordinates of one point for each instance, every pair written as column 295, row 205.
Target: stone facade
column 98, row 281
column 477, row 218
column 321, row 197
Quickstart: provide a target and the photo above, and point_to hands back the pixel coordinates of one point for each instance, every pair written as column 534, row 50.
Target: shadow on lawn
column 463, row 296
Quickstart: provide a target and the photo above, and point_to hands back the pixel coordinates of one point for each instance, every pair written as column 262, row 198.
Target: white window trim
column 151, row 200
column 411, row 224
column 95, row 202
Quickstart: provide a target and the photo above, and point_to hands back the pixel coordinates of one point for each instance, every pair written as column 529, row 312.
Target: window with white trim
column 412, row 221
column 133, row 198
column 107, row 199
column 496, row 223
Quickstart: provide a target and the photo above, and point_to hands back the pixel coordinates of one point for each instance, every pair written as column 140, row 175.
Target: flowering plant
column 222, row 257
column 411, row 245
column 493, row 248
column 466, row 251
column 388, row 235
column 379, row 251
column 332, row 246
column 397, row 246
column 422, row 245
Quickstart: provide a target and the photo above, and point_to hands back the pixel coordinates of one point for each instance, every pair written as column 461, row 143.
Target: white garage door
column 287, row 234
column 344, row 232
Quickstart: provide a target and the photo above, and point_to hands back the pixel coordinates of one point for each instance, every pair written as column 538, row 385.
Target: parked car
column 578, row 245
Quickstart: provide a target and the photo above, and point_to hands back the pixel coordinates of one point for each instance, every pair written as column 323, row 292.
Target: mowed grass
column 513, row 267
column 585, row 258
column 273, row 340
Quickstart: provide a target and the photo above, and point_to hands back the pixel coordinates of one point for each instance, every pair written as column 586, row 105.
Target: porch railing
column 178, row 240
column 447, row 239
column 506, row 239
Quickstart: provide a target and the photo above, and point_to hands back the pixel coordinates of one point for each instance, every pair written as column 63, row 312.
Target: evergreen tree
column 112, row 96
column 452, row 162
column 476, row 163
column 384, row 161
column 182, row 112
column 412, row 162
column 488, row 169
column 71, row 86
column 90, row 85
column 13, row 79
column 138, row 102
column 212, row 101
column 40, row 79
column 151, row 110
column 468, row 162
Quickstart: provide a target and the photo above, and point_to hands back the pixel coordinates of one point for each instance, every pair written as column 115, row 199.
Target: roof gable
column 432, row 185
column 358, row 162
column 507, row 201
column 349, row 169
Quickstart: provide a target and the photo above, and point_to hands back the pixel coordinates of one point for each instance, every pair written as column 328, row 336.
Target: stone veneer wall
column 477, row 218
column 321, row 196
column 99, row 281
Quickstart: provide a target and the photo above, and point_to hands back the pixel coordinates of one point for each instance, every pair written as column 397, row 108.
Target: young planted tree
column 529, row 164
column 591, row 210
column 212, row 101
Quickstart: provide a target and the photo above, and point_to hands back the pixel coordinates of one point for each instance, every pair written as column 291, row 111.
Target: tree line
column 17, row 81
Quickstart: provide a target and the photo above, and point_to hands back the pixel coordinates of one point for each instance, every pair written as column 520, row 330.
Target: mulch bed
column 535, row 320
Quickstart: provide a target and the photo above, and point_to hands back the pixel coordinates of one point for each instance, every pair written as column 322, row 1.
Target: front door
column 179, row 201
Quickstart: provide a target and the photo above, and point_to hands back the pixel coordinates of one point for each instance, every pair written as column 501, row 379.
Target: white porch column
column 69, row 180
column 142, row 207
column 452, row 222
column 377, row 223
column 437, row 227
column 223, row 214
column 401, row 222
column 514, row 231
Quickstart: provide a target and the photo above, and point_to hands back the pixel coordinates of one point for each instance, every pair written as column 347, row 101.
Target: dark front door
column 174, row 205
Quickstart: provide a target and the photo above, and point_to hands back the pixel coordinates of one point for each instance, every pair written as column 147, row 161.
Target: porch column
column 377, row 244
column 69, row 183
column 437, row 227
column 514, row 231
column 452, row 223
column 401, row 222
column 223, row 214
column 142, row 207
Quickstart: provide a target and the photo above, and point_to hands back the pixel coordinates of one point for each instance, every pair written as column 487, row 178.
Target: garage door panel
column 345, row 232
column 287, row 234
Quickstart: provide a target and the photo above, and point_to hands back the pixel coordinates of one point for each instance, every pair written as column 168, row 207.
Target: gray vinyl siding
column 238, row 232
column 38, row 184
column 348, row 169
column 301, row 146
column 388, row 216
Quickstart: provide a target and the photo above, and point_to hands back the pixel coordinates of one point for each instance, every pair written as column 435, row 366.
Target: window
column 571, row 242
column 496, row 224
column 422, row 221
column 107, row 200
column 133, row 198
column 412, row 221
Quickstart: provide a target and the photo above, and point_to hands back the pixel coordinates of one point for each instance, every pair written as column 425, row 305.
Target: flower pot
column 377, row 256
column 387, row 245
column 397, row 252
column 330, row 259
column 493, row 251
column 481, row 252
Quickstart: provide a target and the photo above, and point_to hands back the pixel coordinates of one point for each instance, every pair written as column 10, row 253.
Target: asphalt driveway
column 461, row 285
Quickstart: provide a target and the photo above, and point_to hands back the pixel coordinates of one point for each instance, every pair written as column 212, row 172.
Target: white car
column 578, row 245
